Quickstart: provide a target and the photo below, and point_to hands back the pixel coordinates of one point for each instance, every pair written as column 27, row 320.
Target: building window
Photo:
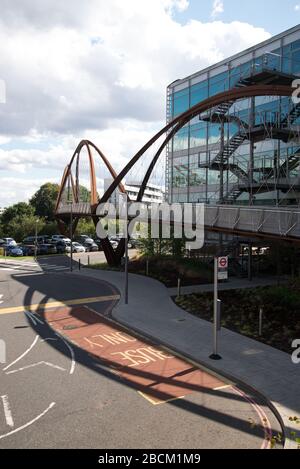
column 181, row 140
column 198, row 134
column 181, row 102
column 199, row 92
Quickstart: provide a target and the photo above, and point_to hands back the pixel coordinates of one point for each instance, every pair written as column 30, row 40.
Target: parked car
column 47, row 249
column 90, row 246
column 99, row 244
column 77, row 247
column 56, row 238
column 14, row 251
column 28, row 249
column 9, row 242
column 63, row 246
column 84, row 239
column 39, row 239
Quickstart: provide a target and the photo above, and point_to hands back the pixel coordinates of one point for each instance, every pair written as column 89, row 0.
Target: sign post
column 220, row 273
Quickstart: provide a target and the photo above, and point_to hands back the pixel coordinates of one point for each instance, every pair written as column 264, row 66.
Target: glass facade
column 248, row 151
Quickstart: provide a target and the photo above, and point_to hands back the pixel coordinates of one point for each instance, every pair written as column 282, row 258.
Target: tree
column 23, row 226
column 44, row 200
column 86, row 226
column 21, row 209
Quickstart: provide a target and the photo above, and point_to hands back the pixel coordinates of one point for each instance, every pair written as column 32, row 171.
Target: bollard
column 88, row 260
column 178, row 288
column 147, row 267
column 79, row 264
column 260, row 322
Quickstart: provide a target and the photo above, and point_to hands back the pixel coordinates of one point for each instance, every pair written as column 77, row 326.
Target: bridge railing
column 81, row 208
column 273, row 221
column 276, row 221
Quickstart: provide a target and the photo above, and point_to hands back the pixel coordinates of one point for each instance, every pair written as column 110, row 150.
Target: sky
column 98, row 70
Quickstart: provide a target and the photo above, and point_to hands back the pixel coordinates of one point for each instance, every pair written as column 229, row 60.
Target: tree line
column 19, row 220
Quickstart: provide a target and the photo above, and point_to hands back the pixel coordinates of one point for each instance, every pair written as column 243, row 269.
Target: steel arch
column 171, row 129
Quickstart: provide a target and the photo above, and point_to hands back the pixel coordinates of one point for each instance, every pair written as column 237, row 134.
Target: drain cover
column 69, row 328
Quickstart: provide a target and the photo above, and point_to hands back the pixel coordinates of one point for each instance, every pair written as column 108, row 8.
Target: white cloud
column 97, row 69
column 217, row 8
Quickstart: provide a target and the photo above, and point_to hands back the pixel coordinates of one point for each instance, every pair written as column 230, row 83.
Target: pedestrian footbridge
column 277, row 223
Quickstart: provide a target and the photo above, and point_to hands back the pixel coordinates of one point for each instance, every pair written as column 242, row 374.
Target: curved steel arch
column 231, row 95
column 107, row 248
column 171, row 129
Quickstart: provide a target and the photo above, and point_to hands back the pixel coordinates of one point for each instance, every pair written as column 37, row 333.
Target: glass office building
column 242, row 152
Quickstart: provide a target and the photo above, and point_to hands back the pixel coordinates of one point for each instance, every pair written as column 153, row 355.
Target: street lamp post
column 125, row 200
column 35, row 241
column 71, row 237
column 126, row 265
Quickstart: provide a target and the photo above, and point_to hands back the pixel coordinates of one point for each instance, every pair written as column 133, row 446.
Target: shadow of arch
column 105, row 368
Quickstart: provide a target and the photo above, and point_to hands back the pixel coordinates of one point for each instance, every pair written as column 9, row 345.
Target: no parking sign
column 222, row 268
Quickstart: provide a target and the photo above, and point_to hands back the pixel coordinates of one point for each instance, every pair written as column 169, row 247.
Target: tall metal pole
column 215, row 355
column 250, row 262
column 35, row 241
column 71, row 237
column 126, row 263
column 222, row 147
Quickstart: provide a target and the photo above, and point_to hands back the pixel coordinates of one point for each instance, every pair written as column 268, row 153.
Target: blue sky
column 63, row 86
column 273, row 15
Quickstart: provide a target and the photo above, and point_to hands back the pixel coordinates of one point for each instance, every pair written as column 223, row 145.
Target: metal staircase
column 218, row 112
column 232, row 145
column 291, row 116
column 233, row 194
column 239, row 172
column 290, row 164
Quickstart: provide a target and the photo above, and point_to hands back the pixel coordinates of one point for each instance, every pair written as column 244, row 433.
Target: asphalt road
column 74, row 379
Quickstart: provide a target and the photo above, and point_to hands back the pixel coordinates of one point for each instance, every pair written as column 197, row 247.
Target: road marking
column 1, row 301
column 157, row 401
column 73, row 361
column 36, row 364
column 7, row 411
column 23, row 354
column 28, row 423
column 34, row 319
column 56, row 304
column 266, row 444
column 223, row 387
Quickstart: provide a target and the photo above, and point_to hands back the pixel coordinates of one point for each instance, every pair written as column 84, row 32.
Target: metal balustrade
column 274, row 222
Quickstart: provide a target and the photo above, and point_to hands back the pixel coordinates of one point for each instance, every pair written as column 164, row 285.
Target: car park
column 14, row 251
column 63, row 247
column 28, row 249
column 90, row 246
column 77, row 247
column 99, row 244
column 56, row 238
column 8, row 242
column 31, row 240
column 84, row 239
column 45, row 249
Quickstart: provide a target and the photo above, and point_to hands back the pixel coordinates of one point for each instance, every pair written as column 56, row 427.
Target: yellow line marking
column 155, row 401
column 34, row 308
column 223, row 387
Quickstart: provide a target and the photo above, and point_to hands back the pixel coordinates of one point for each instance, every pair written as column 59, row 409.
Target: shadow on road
column 106, row 367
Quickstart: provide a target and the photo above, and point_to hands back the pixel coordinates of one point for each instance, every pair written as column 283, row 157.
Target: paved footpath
column 232, row 284
column 267, row 370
